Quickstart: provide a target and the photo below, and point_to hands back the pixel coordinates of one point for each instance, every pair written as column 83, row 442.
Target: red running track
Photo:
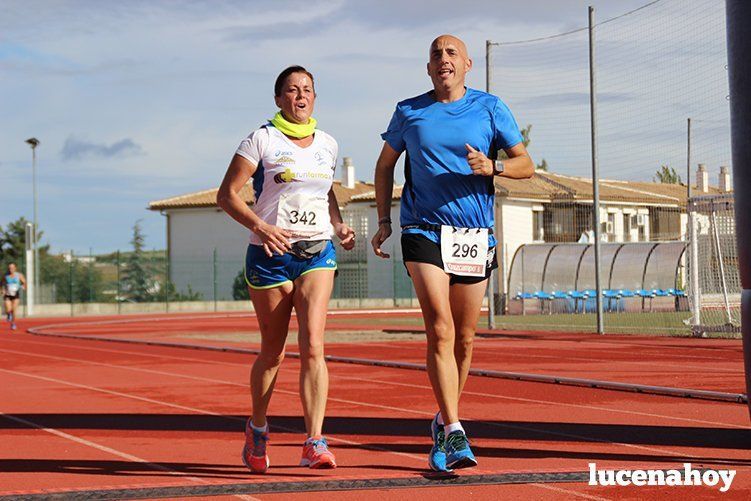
column 84, row 415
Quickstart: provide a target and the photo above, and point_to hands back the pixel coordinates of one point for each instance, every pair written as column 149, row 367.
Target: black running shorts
column 420, row 249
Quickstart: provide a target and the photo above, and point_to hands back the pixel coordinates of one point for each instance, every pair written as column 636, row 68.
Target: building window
column 627, row 227
column 538, row 226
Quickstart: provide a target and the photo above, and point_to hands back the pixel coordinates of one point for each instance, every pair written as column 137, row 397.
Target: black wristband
column 384, row 220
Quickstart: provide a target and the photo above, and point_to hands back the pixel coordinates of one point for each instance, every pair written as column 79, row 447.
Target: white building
column 550, row 208
column 206, row 248
column 546, row 208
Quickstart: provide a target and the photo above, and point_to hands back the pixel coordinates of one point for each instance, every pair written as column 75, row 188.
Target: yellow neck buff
column 293, row 129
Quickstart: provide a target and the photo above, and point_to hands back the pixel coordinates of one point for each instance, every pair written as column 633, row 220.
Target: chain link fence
column 662, row 110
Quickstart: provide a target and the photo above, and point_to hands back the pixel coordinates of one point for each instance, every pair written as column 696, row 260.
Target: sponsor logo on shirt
column 286, row 177
column 296, row 177
column 284, row 159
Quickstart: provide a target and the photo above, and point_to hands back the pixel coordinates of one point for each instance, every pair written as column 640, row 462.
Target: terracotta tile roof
column 545, row 186
column 548, row 185
column 369, row 196
column 207, row 198
column 344, row 195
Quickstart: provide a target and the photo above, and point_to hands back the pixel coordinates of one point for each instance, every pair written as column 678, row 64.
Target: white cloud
column 185, row 81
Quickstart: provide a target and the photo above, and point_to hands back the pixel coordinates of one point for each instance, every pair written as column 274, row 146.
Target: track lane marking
column 207, row 412
column 425, row 387
column 113, row 452
column 575, row 436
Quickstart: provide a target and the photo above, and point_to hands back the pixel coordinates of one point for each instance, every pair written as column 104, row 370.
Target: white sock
column 262, row 429
column 448, row 428
column 439, row 419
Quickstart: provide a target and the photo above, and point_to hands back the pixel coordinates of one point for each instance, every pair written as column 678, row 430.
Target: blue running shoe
column 437, row 457
column 458, row 453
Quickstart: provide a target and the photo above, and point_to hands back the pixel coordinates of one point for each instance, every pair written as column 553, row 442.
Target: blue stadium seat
column 578, row 296
column 645, row 294
column 543, row 297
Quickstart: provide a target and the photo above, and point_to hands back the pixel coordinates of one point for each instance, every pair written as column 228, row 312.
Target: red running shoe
column 254, row 451
column 316, row 454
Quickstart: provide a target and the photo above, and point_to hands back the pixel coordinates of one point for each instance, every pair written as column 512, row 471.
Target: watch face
column 498, row 168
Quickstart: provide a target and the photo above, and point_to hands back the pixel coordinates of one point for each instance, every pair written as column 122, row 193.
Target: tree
column 13, row 244
column 240, row 287
column 667, row 175
column 173, row 294
column 137, row 277
column 525, row 132
column 56, row 272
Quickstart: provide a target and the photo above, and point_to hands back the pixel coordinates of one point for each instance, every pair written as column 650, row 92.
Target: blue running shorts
column 264, row 272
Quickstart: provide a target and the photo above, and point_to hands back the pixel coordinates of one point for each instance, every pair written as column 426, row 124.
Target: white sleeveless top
column 291, row 183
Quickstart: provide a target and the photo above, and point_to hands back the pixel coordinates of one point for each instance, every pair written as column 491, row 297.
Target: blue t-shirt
column 439, row 185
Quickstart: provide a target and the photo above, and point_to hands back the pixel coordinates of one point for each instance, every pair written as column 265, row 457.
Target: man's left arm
column 518, row 165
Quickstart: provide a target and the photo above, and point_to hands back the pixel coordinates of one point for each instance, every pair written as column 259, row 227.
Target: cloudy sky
column 141, row 100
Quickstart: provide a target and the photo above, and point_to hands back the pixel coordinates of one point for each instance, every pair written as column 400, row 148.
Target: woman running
column 290, row 261
column 12, row 284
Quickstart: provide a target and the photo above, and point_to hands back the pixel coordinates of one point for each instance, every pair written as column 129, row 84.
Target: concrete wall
column 382, row 273
column 93, row 309
column 193, row 236
column 514, row 227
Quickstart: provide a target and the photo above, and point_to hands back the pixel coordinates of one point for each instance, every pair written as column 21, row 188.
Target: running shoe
column 316, row 454
column 13, row 326
column 458, row 453
column 437, row 457
column 254, row 451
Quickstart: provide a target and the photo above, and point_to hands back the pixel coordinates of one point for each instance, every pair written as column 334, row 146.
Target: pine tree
column 667, row 175
column 136, row 274
column 525, row 132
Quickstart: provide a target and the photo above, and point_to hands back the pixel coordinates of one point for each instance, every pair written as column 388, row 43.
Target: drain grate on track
column 427, row 480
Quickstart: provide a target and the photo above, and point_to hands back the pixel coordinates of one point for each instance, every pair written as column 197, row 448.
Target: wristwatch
column 497, row 168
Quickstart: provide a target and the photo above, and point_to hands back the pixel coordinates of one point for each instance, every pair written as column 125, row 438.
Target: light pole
column 34, row 142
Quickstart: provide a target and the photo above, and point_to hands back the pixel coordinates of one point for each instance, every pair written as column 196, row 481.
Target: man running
column 451, row 135
column 12, row 284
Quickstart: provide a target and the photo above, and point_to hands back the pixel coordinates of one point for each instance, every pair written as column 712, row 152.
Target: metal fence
column 661, row 98
column 121, row 278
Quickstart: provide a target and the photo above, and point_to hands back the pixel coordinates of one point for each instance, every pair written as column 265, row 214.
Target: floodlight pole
column 595, row 169
column 34, row 142
column 491, row 286
column 30, row 265
column 693, row 243
column 738, row 14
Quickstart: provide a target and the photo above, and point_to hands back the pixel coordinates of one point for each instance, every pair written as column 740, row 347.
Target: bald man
column 451, row 136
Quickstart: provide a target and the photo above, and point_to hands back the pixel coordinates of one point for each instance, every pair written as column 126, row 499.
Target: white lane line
column 210, row 316
column 100, row 447
column 574, row 436
column 427, row 388
column 207, row 412
column 522, row 353
column 202, row 379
